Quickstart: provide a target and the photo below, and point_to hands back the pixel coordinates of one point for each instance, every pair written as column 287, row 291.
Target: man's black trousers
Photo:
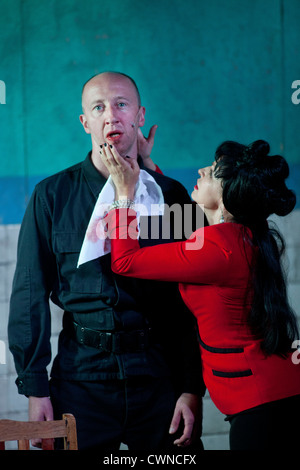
column 136, row 412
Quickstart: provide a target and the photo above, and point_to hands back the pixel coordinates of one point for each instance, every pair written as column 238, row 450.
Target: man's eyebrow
column 117, row 98
column 100, row 100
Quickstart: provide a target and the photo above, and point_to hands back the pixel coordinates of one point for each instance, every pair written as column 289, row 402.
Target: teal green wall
column 207, row 71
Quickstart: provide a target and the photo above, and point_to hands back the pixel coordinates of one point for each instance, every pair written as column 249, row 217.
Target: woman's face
column 208, row 190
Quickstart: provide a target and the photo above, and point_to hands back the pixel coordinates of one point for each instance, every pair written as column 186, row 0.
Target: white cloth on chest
column 149, row 201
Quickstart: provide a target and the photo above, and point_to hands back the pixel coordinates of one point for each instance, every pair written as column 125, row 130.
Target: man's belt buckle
column 116, row 342
column 105, row 342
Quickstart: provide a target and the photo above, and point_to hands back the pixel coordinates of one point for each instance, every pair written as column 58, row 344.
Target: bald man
column 144, row 392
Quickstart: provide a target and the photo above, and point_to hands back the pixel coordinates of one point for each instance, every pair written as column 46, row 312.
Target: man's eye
column 99, row 107
column 121, row 105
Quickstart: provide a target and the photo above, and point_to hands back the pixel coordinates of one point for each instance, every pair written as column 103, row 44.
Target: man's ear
column 142, row 112
column 84, row 123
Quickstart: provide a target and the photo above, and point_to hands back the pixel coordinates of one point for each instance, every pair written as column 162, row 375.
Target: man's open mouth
column 114, row 135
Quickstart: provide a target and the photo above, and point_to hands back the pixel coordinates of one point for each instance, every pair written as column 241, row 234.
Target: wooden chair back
column 24, row 431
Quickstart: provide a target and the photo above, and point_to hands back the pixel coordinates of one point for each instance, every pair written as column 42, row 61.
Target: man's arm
column 189, row 411
column 29, row 320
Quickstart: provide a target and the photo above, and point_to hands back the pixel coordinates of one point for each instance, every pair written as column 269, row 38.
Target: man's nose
column 110, row 115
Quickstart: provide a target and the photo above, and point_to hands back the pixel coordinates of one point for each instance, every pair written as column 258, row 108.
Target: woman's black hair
column 254, row 187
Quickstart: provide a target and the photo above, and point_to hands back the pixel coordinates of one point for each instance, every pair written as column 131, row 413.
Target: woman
column 230, row 277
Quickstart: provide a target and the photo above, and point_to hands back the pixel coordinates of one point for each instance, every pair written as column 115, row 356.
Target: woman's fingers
column 107, row 156
column 112, row 158
column 124, row 171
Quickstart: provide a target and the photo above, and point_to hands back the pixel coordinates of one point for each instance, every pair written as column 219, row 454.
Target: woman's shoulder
column 228, row 228
column 226, row 235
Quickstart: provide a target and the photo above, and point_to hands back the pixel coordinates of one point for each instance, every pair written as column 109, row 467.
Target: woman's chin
column 194, row 196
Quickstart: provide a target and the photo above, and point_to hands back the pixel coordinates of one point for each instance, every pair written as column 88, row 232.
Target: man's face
column 112, row 113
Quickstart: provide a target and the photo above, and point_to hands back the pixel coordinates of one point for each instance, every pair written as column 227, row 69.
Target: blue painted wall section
column 207, row 72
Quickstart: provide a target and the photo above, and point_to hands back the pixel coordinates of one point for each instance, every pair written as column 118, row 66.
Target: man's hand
column 189, row 409
column 40, row 409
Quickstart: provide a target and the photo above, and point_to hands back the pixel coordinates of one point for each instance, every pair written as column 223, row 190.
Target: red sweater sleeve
column 196, row 260
column 157, row 169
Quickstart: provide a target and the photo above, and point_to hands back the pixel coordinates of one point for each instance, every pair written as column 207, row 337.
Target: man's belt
column 116, row 342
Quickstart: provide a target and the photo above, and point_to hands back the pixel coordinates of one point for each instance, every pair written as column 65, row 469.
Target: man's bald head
column 94, row 78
